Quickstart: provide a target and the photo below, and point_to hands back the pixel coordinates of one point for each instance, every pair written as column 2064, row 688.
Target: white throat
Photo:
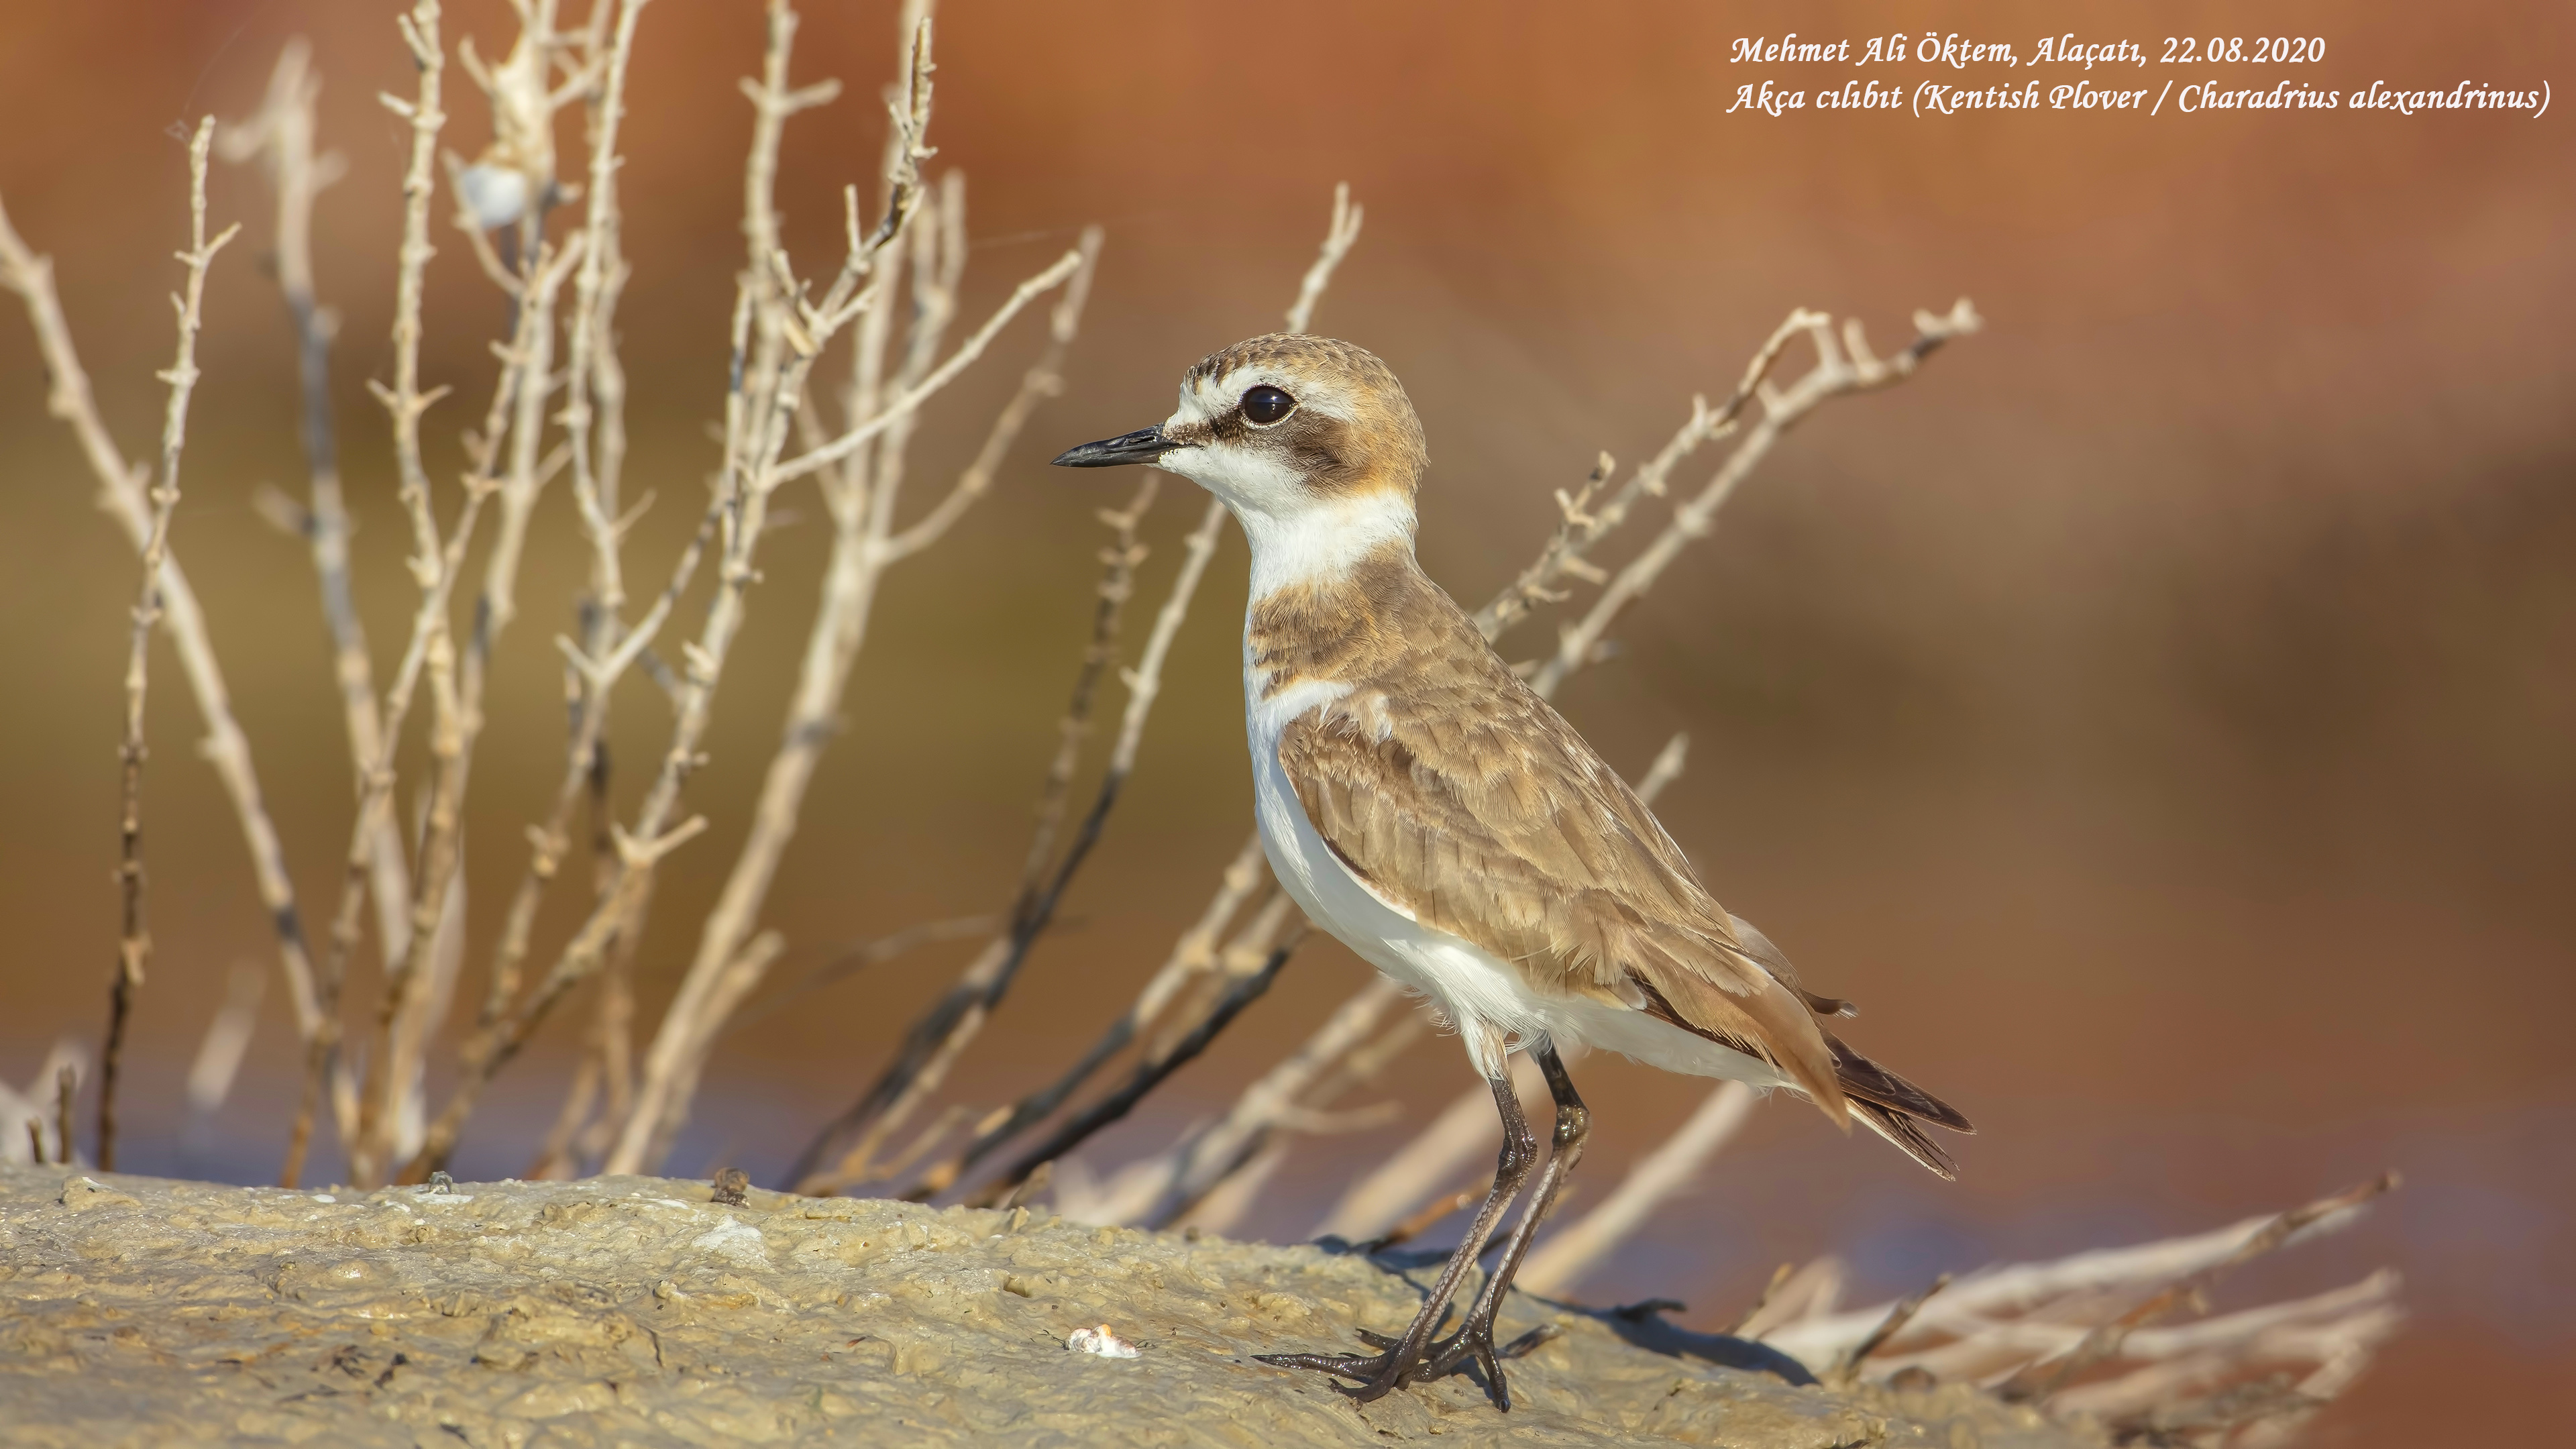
column 1321, row 541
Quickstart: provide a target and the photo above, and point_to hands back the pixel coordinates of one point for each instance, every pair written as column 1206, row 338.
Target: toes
column 1376, row 1340
column 1531, row 1341
column 1349, row 1365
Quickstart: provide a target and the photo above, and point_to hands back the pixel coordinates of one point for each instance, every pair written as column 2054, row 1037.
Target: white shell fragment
column 1103, row 1341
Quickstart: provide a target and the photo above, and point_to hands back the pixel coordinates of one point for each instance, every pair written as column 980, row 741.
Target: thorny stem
column 942, row 1031
column 122, row 494
column 281, row 136
column 134, row 943
column 1193, row 952
column 432, row 654
column 1149, row 1073
column 1584, row 525
column 594, row 447
column 864, row 546
column 777, row 339
column 1833, row 376
column 405, row 403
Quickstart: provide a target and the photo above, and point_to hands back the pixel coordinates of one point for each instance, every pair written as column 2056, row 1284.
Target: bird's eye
column 1265, row 405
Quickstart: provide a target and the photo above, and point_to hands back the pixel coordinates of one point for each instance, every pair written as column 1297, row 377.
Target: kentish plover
column 1425, row 806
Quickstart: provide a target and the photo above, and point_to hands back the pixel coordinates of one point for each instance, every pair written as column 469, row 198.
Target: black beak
column 1141, row 446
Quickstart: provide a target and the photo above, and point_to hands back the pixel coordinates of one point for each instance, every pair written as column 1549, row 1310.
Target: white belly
column 1488, row 1000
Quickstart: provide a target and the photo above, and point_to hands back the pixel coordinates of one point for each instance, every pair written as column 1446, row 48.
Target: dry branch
column 1193, row 953
column 430, row 565
column 1144, row 686
column 952, row 1021
column 777, row 337
column 2042, row 1332
column 594, row 452
column 1149, row 1074
column 865, row 543
column 432, row 655
column 280, row 137
column 1339, row 234
column 134, row 943
column 123, row 496
column 1834, row 375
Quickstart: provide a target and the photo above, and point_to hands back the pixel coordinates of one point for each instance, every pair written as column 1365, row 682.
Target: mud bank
column 636, row 1311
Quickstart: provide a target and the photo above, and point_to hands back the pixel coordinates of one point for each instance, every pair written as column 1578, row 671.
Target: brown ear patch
column 1380, row 446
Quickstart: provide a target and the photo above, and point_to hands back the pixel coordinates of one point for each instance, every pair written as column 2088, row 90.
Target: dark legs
column 1474, row 1339
column 1413, row 1357
column 1396, row 1366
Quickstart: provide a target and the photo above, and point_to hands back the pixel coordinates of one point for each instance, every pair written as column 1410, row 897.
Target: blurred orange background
column 2156, row 714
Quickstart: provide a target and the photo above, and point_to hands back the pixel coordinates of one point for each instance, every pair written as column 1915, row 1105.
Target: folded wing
column 1467, row 800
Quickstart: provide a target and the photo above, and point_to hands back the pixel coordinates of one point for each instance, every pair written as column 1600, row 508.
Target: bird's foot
column 1474, row 1344
column 1379, row 1373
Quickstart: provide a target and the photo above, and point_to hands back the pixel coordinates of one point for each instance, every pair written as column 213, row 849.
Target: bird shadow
column 1640, row 1325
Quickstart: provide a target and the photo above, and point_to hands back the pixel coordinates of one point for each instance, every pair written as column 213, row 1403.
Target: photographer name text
column 2101, row 86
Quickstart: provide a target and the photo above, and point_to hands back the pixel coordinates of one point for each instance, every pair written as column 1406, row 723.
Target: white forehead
column 1210, row 397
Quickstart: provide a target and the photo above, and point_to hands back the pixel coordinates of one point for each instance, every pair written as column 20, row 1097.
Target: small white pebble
column 324, row 1197
column 1102, row 1341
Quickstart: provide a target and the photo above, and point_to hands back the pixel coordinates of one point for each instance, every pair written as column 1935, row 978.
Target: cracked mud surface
column 634, row 1311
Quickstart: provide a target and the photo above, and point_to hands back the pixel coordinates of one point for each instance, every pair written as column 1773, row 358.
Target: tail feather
column 1870, row 1082
column 1908, row 1136
column 1886, row 1103
column 1889, row 1105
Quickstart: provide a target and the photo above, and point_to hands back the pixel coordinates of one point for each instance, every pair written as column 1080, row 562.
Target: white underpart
column 1489, row 1001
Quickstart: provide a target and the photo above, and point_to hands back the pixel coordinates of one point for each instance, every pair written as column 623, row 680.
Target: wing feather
column 1457, row 793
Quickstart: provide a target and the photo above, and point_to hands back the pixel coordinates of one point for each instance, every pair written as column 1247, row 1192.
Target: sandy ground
column 636, row 1311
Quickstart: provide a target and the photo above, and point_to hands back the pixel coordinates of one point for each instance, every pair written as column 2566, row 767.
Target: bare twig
column 123, row 496
column 905, row 402
column 405, row 402
column 66, row 1093
column 1846, row 1368
column 594, row 438
column 851, row 960
column 227, row 1039
column 2032, row 1328
column 1762, row 1301
column 777, row 339
column 864, row 545
column 1148, row 1074
column 39, row 1109
column 1194, row 952
column 951, row 1022
column 1191, row 957
column 1168, row 1183
column 280, row 136
column 432, row 654
column 1043, row 381
column 1585, row 523
column 2043, row 1378
column 134, row 943
column 1833, row 376
column 518, row 168
column 1338, row 237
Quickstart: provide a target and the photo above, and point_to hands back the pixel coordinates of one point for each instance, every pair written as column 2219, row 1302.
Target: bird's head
column 1303, row 437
